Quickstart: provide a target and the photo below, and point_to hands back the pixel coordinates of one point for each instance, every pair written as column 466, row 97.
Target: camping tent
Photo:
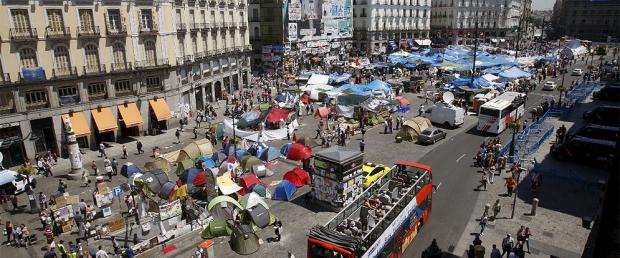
column 246, row 182
column 167, row 190
column 244, row 241
column 184, row 165
column 411, row 129
column 223, row 207
column 261, row 190
column 298, row 177
column 129, row 169
column 252, row 199
column 285, row 148
column 259, row 215
column 188, row 175
column 268, row 154
column 226, row 185
column 278, row 114
column 284, row 191
column 158, row 163
column 196, row 149
column 299, row 152
column 216, row 228
column 155, row 180
column 403, row 101
column 248, row 161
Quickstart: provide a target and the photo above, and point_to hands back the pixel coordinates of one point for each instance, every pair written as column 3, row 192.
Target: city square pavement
column 455, row 204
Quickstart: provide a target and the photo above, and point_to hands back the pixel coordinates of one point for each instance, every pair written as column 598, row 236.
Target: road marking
column 457, row 160
column 437, row 186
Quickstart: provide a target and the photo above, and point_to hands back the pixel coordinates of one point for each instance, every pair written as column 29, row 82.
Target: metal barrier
column 538, row 129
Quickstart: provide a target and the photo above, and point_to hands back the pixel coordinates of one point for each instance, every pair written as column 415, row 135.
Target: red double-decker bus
column 383, row 221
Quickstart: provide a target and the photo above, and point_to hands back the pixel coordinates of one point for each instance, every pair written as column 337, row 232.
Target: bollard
column 534, row 206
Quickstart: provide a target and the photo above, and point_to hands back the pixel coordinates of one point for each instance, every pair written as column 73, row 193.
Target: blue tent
column 410, row 66
column 188, row 175
column 268, row 154
column 239, row 153
column 404, row 109
column 478, row 82
column 218, row 157
column 250, row 116
column 208, row 163
column 280, row 98
column 514, row 72
column 284, row 191
column 129, row 169
column 285, row 147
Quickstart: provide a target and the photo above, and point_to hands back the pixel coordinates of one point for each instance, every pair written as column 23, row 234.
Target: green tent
column 216, row 228
column 248, row 161
column 184, row 165
column 260, row 190
column 223, row 207
column 244, row 241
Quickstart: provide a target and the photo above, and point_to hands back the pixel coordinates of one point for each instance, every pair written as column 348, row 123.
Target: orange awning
column 161, row 109
column 78, row 122
column 130, row 114
column 104, row 119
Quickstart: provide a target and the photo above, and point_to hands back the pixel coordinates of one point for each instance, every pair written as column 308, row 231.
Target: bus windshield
column 317, row 251
column 489, row 112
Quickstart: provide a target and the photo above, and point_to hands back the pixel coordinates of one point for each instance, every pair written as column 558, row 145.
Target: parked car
column 431, row 135
column 13, row 182
column 603, row 115
column 445, row 114
column 609, row 93
column 372, row 172
column 601, row 132
column 549, row 85
column 577, row 72
column 588, row 150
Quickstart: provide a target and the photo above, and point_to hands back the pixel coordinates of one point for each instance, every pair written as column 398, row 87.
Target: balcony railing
column 121, row 67
column 231, row 3
column 112, row 31
column 222, row 3
column 243, row 25
column 194, row 26
column 88, row 31
column 212, row 2
column 148, row 29
column 94, row 69
column 205, row 26
column 23, row 34
column 64, row 72
column 181, row 27
column 57, row 33
column 38, row 105
column 241, row 4
column 150, row 64
column 5, row 78
column 210, row 53
column 201, row 55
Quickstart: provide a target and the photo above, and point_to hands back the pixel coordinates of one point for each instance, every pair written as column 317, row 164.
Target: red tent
column 298, row 177
column 200, row 179
column 299, row 151
column 322, row 112
column 276, row 114
column 304, row 99
column 247, row 182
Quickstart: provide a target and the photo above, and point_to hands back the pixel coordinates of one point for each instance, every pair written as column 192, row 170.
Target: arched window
column 149, row 52
column 118, row 52
column 92, row 57
column 28, row 57
column 61, row 58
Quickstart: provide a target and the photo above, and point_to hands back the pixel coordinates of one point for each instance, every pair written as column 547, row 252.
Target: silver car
column 431, row 135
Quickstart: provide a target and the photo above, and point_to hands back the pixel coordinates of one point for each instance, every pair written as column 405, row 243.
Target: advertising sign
column 318, row 19
column 294, row 10
column 292, row 31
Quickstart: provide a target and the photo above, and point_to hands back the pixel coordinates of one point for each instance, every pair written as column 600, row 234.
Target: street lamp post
column 515, row 127
column 473, row 71
column 561, row 89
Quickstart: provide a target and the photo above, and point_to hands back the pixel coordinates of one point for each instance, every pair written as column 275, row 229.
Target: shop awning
column 130, row 114
column 161, row 109
column 78, row 122
column 104, row 119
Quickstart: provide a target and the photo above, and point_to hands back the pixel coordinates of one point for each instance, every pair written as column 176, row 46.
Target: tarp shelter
column 322, row 113
column 252, row 199
column 299, row 152
column 247, row 182
column 155, row 180
column 158, row 163
column 129, row 169
column 318, row 79
column 278, row 114
column 167, row 190
column 196, row 149
column 284, row 191
column 248, row 161
column 514, row 72
column 244, row 241
column 7, row 176
column 184, row 165
column 226, row 185
column 218, row 157
column 298, row 177
column 216, row 228
column 223, row 207
column 268, row 154
column 411, row 129
column 259, row 215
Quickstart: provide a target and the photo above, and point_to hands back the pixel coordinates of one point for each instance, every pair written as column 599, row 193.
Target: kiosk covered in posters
column 337, row 179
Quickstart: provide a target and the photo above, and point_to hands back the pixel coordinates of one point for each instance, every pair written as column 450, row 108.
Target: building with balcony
column 590, row 20
column 114, row 69
column 384, row 25
column 454, row 21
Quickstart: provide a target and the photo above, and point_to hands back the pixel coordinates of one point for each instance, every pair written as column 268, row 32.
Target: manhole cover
column 547, row 234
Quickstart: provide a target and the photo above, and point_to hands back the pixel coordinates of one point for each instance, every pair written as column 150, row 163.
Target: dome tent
column 216, row 228
column 252, row 199
column 247, row 182
column 129, row 169
column 184, row 165
column 223, row 207
column 298, row 177
column 411, row 129
column 284, row 191
column 158, row 163
column 244, row 241
column 299, row 152
column 196, row 149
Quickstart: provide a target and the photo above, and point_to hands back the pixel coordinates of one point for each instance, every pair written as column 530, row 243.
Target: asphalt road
column 452, row 166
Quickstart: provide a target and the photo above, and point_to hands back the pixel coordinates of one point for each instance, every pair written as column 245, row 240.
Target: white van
column 12, row 180
column 445, row 114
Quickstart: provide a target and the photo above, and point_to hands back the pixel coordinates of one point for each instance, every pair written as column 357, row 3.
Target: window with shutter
column 92, row 58
column 62, row 59
column 28, row 57
column 55, row 21
column 21, row 22
column 86, row 20
column 149, row 52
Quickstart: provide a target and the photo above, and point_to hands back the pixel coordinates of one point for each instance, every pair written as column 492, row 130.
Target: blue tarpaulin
column 208, row 163
column 284, row 191
column 6, row 177
column 514, row 72
column 478, row 83
column 339, row 78
column 129, row 169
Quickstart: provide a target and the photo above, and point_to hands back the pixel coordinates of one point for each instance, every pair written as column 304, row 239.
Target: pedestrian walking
column 495, row 253
column 114, row 165
column 278, row 230
column 507, row 244
column 362, row 145
column 42, row 201
column 483, row 224
column 85, row 179
column 178, row 135
column 62, row 249
column 527, row 235
column 483, row 182
column 139, row 147
column 497, row 207
column 108, row 170
column 124, row 152
column 102, row 149
column 62, row 187
column 491, row 174
column 93, row 166
column 511, row 183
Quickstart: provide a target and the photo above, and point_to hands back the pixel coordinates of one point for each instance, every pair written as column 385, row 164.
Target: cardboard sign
column 61, row 201
column 116, row 224
column 73, row 199
column 102, row 188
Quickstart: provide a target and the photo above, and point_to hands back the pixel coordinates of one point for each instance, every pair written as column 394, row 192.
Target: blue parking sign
column 117, row 191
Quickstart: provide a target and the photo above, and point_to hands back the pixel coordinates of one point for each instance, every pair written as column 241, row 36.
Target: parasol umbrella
column 129, row 169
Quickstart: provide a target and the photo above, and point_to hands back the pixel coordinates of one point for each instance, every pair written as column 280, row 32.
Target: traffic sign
column 117, row 191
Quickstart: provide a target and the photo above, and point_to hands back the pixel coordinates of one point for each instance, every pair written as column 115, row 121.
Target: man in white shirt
column 101, row 253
